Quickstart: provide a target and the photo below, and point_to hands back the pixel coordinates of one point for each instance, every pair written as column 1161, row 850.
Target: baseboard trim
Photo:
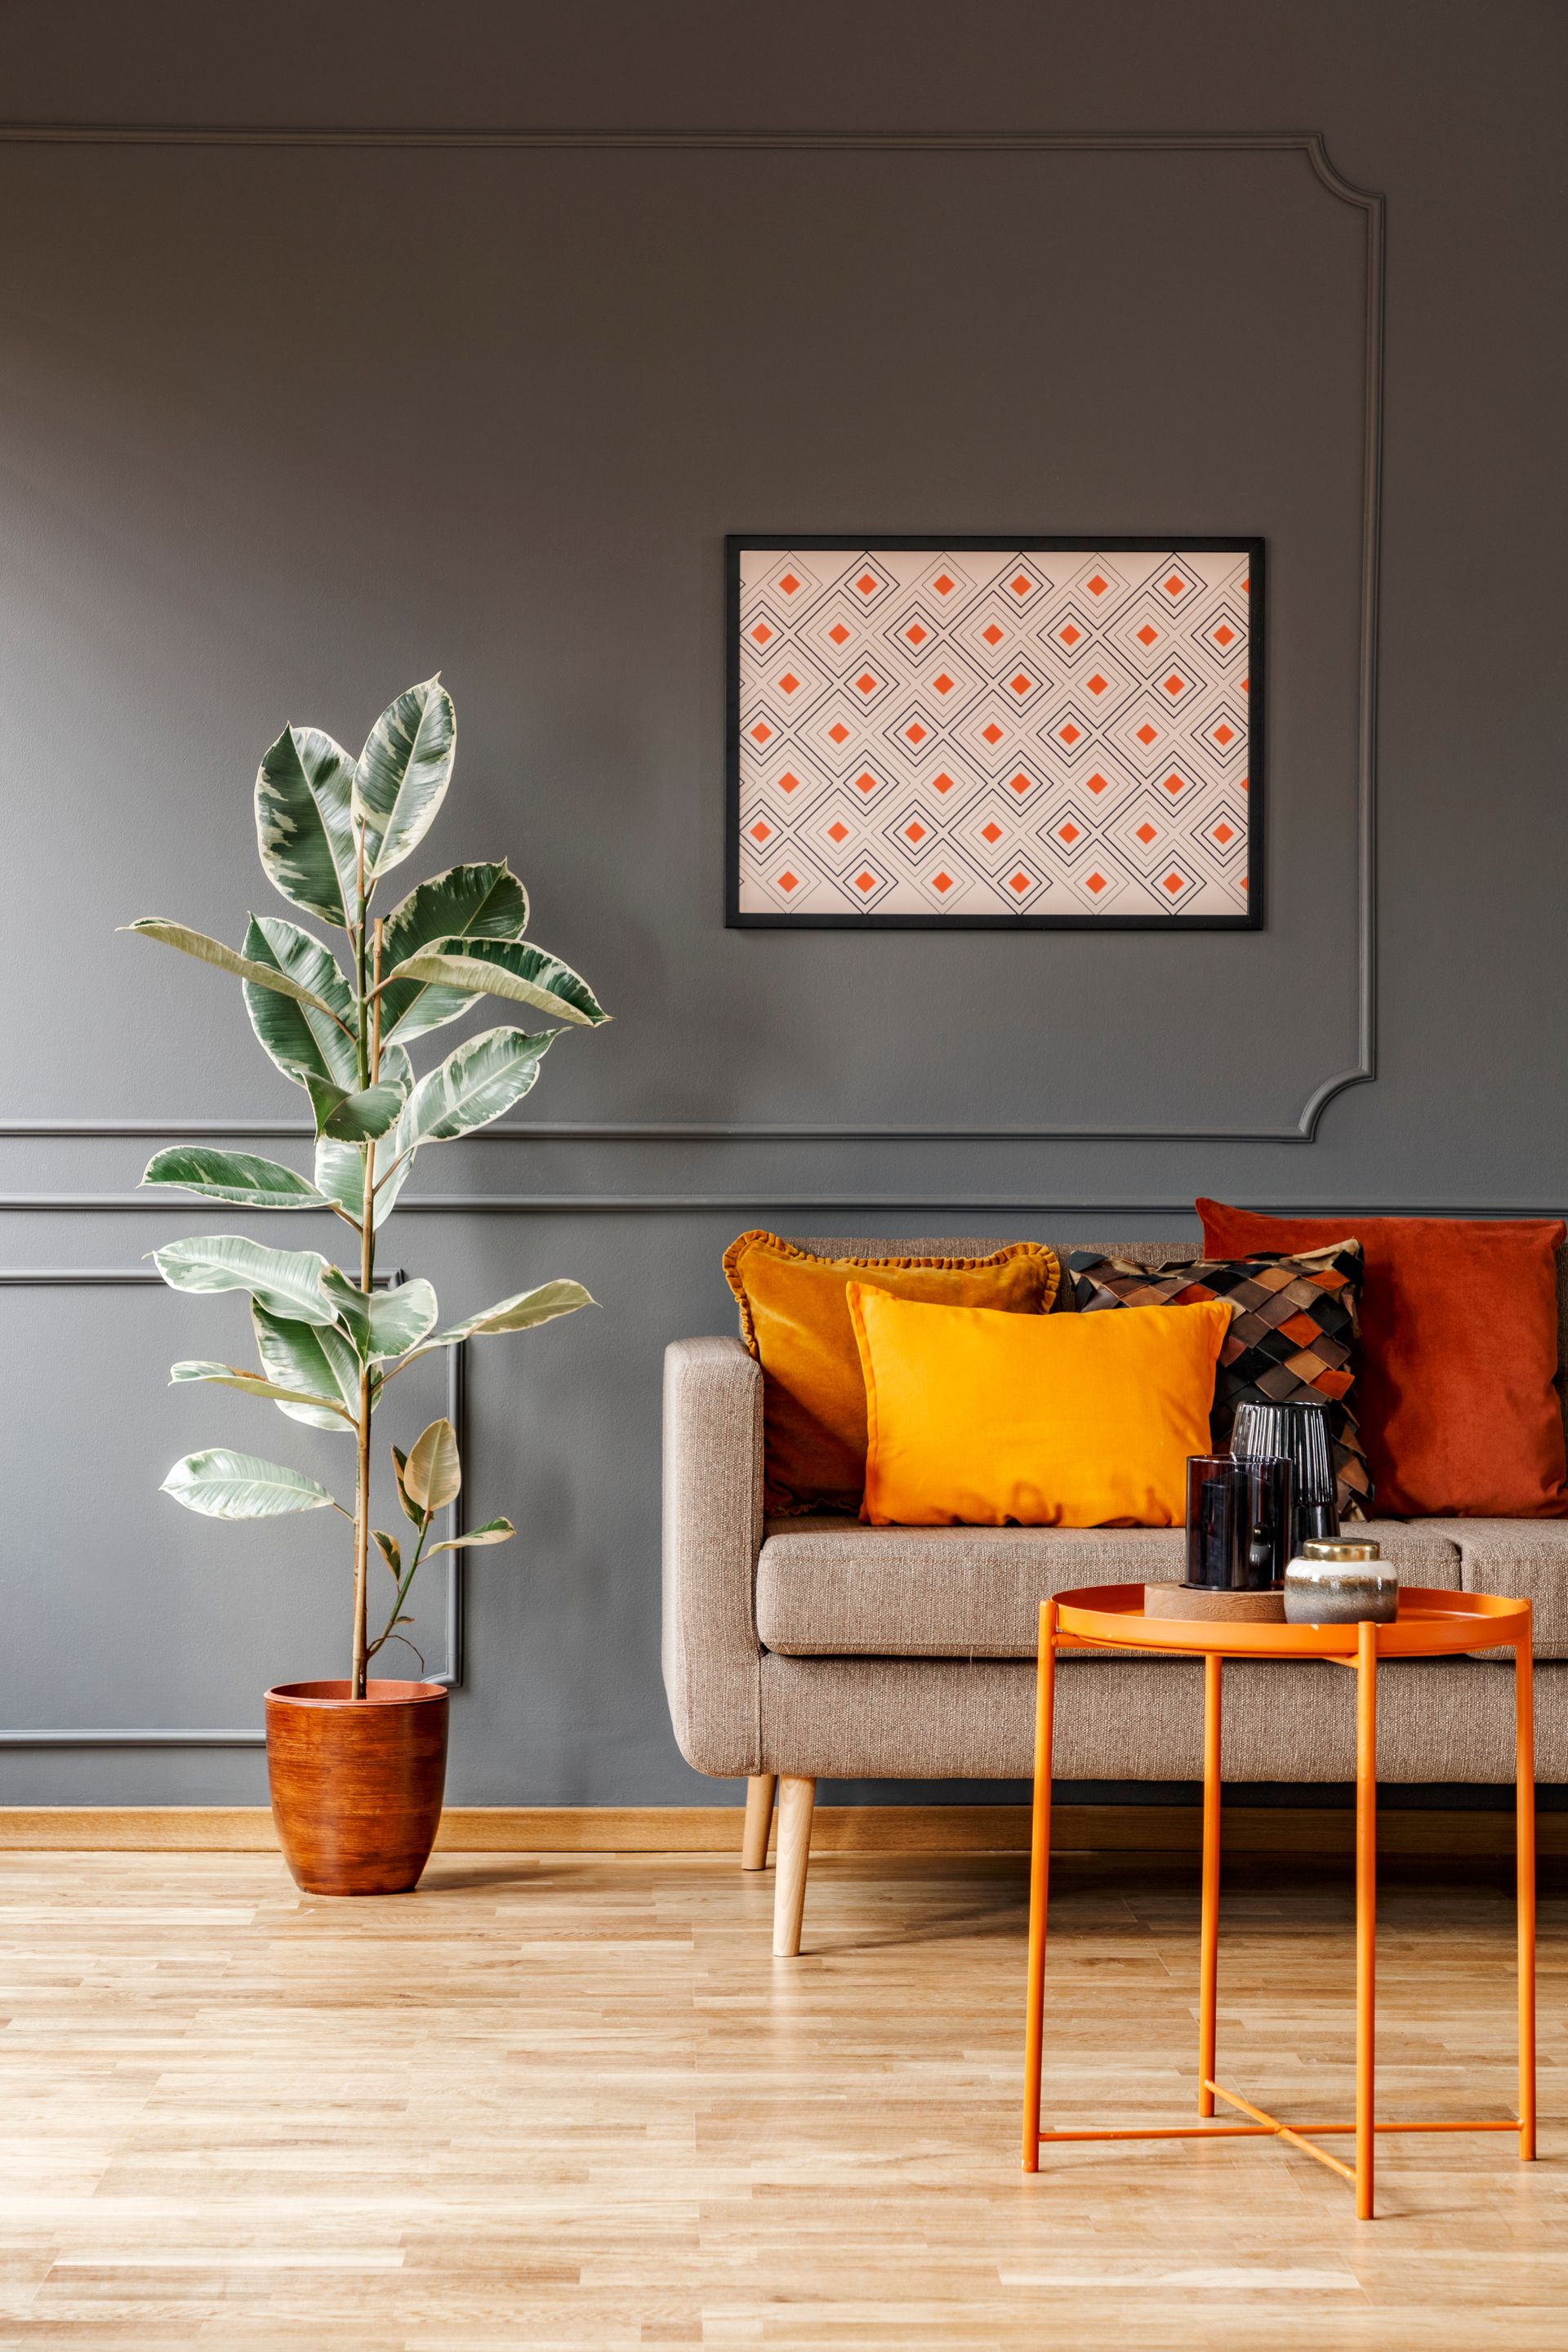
column 837, row 1829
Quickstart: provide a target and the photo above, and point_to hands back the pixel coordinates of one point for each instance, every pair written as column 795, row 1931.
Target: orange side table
column 1430, row 1624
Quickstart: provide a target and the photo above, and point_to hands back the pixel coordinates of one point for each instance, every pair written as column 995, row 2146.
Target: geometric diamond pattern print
column 985, row 733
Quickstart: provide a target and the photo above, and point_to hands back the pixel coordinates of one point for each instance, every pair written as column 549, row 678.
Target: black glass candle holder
column 1298, row 1431
column 1238, row 1522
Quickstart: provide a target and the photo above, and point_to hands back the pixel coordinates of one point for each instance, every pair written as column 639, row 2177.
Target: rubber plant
column 331, row 829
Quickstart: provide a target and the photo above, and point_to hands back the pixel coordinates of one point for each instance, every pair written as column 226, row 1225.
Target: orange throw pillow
column 795, row 1318
column 1035, row 1420
column 1457, row 1395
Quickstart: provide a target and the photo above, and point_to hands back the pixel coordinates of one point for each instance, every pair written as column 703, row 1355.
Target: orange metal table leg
column 1208, row 1961
column 1365, row 1914
column 1039, row 1878
column 1524, row 1767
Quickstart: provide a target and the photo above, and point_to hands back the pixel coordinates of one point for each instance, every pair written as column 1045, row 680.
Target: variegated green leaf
column 231, row 1176
column 227, row 1485
column 404, row 773
column 285, row 1282
column 495, row 1531
column 474, row 902
column 391, row 1551
column 433, row 1475
column 478, row 1081
column 304, row 1043
column 213, row 951
column 339, row 1167
column 388, row 1322
column 519, row 1314
column 507, row 968
column 362, row 1117
column 410, row 1510
column 314, row 1359
column 304, row 827
column 232, row 1376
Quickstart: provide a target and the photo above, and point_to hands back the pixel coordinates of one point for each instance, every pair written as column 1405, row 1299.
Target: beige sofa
column 800, row 1648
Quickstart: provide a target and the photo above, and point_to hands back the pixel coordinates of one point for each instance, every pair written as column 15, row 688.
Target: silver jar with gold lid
column 1339, row 1581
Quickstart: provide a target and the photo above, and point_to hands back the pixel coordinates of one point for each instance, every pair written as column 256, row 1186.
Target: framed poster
column 1002, row 733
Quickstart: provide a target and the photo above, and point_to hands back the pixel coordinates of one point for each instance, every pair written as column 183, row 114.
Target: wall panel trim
column 1309, row 144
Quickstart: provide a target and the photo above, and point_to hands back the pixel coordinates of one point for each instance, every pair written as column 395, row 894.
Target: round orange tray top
column 1432, row 1622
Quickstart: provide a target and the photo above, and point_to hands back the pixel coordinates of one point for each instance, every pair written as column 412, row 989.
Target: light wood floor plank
column 571, row 2102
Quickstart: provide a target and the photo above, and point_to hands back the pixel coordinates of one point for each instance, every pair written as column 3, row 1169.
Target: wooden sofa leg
column 759, row 1822
column 797, row 1801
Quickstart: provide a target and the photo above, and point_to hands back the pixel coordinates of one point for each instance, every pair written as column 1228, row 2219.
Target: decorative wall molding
column 1307, row 144
column 141, row 1277
column 753, row 1202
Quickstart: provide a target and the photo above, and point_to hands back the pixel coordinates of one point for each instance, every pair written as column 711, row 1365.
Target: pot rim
column 335, row 1693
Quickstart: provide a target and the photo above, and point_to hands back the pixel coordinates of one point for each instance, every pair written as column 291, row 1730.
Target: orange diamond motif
column 915, row 732
column 865, row 782
column 839, row 731
column 1223, row 833
column 916, row 832
column 1174, row 683
column 1097, row 685
column 787, row 781
column 993, row 733
column 865, row 881
column 1095, row 883
column 1098, row 782
column 1146, row 833
column 993, row 636
column 789, row 881
column 838, row 632
column 761, row 634
column 1022, row 683
column 838, row 830
column 789, row 583
column 866, row 582
column 760, row 831
column 1069, row 733
column 942, row 783
column 1020, row 782
column 865, row 683
column 1173, row 883
column 1019, row 881
column 1146, row 733
column 1097, row 587
column 942, row 881
column 1147, row 634
column 944, row 683
column 1021, row 584
column 992, row 831
column 916, row 635
column 788, row 683
column 1067, row 833
column 1224, row 635
column 1175, row 783
column 1174, row 584
column 1223, row 734
column 943, row 584
column 761, row 731
column 1069, row 634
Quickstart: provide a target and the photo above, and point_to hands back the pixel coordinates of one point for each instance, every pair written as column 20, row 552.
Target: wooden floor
column 571, row 2101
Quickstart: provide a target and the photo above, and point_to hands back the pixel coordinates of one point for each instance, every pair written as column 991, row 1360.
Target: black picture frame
column 737, row 544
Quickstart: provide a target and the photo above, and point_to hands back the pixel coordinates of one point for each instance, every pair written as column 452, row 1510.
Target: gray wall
column 286, row 428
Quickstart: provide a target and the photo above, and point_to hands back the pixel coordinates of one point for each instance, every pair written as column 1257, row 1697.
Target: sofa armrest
column 712, row 1534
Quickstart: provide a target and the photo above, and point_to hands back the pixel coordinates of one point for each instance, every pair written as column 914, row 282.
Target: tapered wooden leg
column 759, row 1822
column 1208, row 1944
column 1365, row 1916
column 797, row 1801
column 1523, row 1671
column 1039, row 1878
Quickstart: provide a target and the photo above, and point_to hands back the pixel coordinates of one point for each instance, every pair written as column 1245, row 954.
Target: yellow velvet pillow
column 1049, row 1421
column 796, row 1321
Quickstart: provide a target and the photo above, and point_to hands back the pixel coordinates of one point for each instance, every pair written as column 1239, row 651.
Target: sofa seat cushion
column 834, row 1588
column 1527, row 1559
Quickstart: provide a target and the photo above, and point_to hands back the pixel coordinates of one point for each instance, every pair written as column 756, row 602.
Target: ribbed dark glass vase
column 1299, row 1432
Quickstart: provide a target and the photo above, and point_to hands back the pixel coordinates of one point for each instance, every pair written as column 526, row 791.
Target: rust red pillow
column 1457, row 1391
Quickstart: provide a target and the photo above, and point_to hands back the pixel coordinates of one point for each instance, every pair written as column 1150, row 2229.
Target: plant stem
column 371, row 1063
column 408, row 1580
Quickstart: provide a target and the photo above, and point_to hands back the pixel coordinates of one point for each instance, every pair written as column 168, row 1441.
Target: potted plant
column 357, row 1767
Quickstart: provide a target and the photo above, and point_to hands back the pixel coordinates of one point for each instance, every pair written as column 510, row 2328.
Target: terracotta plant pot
column 356, row 1783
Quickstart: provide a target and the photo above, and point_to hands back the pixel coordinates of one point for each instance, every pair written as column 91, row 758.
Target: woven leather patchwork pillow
column 1295, row 1333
